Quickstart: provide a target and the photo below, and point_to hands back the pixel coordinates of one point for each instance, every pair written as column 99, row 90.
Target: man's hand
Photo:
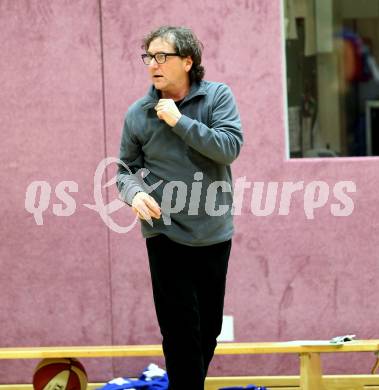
column 167, row 111
column 145, row 206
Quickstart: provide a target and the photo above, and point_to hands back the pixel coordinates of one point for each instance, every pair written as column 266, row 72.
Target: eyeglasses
column 160, row 58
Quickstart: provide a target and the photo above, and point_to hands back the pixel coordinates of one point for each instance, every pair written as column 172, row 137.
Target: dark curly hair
column 185, row 43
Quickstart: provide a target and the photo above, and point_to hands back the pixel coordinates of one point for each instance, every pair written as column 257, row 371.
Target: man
column 184, row 134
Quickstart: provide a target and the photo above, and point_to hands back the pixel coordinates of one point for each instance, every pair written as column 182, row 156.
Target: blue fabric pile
column 152, row 378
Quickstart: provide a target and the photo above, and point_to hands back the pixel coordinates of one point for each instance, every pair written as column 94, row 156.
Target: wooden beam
column 345, row 382
column 310, row 372
column 156, row 350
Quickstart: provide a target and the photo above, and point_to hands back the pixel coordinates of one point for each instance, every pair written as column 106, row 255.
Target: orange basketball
column 60, row 374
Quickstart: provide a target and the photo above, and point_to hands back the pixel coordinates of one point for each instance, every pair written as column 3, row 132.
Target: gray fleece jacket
column 185, row 168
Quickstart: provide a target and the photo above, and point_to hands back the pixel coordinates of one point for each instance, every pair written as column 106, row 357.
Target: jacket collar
column 152, row 97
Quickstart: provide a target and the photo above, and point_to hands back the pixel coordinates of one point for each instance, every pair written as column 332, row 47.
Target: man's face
column 173, row 74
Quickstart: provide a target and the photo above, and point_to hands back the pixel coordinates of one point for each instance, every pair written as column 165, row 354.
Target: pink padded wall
column 54, row 277
column 73, row 281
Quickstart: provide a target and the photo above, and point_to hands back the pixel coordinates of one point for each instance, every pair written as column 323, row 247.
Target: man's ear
column 188, row 64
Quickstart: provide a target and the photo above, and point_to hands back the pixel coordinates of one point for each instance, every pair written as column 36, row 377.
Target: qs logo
column 38, row 195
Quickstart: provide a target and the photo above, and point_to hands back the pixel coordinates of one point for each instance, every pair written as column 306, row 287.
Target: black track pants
column 188, row 288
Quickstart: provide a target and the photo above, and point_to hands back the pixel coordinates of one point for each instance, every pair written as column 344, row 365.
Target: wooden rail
column 309, row 355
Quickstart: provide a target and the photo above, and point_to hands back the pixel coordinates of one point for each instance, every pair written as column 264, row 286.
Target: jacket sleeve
column 221, row 141
column 129, row 181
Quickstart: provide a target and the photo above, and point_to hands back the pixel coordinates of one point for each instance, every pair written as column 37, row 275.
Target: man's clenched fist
column 167, row 111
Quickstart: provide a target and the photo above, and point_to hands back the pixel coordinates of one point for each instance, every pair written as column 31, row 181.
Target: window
column 332, row 57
